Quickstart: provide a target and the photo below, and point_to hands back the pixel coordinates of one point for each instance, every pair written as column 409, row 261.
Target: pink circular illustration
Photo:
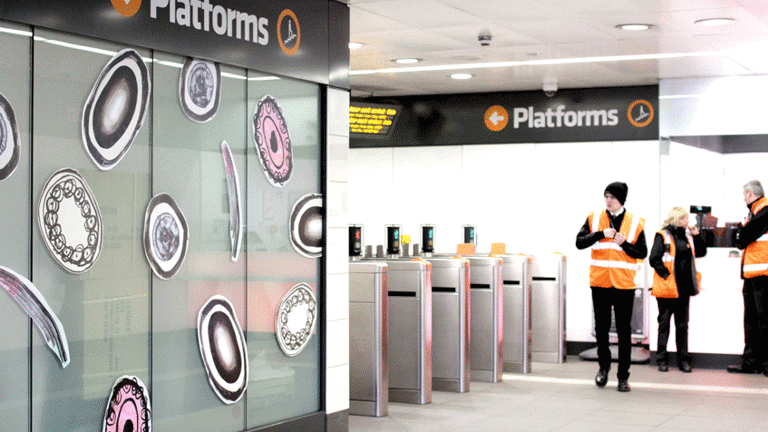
column 128, row 409
column 273, row 141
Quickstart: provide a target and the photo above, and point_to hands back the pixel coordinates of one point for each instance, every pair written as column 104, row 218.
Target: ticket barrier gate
column 548, row 308
column 450, row 324
column 368, row 317
column 486, row 349
column 410, row 331
column 516, row 274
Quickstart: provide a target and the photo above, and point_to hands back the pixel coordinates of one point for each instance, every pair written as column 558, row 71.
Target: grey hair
column 755, row 187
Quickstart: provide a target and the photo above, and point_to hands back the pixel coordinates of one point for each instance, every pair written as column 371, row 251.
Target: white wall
column 533, row 197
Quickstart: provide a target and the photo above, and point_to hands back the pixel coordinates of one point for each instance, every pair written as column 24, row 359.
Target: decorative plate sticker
column 116, row 108
column 70, row 221
column 166, row 236
column 223, row 349
column 296, row 317
column 272, row 141
column 128, row 408
column 29, row 298
column 9, row 139
column 306, row 225
column 235, row 207
column 200, row 89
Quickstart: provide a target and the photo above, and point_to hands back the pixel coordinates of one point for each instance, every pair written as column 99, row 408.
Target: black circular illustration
column 273, row 142
column 200, row 89
column 166, row 236
column 9, row 140
column 128, row 409
column 306, row 225
column 296, row 318
column 70, row 221
column 223, row 349
column 116, row 108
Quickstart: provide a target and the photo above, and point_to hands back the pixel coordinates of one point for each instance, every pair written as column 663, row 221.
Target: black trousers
column 679, row 307
column 755, row 322
column 621, row 300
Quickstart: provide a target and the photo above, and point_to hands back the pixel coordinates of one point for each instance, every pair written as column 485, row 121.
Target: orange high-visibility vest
column 667, row 288
column 611, row 266
column 754, row 260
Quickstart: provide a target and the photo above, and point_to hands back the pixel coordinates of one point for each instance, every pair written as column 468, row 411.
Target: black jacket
column 585, row 239
column 684, row 270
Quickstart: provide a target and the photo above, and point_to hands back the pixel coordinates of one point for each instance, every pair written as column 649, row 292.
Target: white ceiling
column 531, row 33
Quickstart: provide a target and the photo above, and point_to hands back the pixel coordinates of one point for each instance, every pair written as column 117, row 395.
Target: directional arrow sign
column 496, row 118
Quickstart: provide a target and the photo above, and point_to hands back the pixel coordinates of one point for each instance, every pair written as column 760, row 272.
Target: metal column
column 487, row 322
column 368, row 317
column 548, row 308
column 450, row 324
column 516, row 274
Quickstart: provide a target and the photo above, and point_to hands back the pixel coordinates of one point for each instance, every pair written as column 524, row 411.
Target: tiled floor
column 563, row 397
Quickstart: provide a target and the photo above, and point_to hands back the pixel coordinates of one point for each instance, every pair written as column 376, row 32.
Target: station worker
column 618, row 242
column 753, row 241
column 675, row 280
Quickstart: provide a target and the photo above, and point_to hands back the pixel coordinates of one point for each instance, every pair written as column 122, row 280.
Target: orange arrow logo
column 127, row 8
column 496, row 118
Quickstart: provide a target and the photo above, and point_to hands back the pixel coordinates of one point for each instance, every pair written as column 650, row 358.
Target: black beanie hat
column 618, row 190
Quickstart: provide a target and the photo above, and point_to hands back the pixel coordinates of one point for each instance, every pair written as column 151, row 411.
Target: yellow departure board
column 367, row 120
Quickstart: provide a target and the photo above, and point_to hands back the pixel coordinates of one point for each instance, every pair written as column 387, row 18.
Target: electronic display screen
column 368, row 120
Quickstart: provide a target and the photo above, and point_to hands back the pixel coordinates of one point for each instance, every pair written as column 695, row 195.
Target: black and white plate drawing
column 223, row 349
column 200, row 89
column 306, row 225
column 29, row 298
column 9, row 140
column 70, row 221
column 166, row 236
column 296, row 318
column 270, row 133
column 128, row 408
column 235, row 207
column 116, row 108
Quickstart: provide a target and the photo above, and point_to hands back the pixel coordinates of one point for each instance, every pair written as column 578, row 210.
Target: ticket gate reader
column 368, row 330
column 516, row 274
column 410, row 331
column 450, row 324
column 487, row 292
column 548, row 308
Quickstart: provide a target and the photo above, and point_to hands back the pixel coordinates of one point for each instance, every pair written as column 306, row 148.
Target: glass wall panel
column 188, row 165
column 15, row 227
column 104, row 310
column 281, row 386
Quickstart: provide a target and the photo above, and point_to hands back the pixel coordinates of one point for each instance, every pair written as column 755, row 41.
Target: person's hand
column 693, row 229
column 619, row 238
column 609, row 232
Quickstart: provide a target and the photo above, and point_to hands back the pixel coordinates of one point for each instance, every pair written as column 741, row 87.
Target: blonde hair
column 674, row 216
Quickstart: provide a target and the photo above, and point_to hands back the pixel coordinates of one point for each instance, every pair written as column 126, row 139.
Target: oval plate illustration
column 128, row 408
column 166, row 236
column 9, row 140
column 270, row 133
column 200, row 89
column 296, row 318
column 116, row 108
column 306, row 225
column 70, row 221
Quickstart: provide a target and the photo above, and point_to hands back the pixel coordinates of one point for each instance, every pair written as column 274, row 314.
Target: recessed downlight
column 634, row 27
column 712, row 22
column 406, row 60
column 356, row 45
column 461, row 76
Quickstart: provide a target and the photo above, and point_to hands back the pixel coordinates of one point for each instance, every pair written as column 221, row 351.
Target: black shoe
column 743, row 368
column 663, row 367
column 685, row 367
column 602, row 378
column 623, row 386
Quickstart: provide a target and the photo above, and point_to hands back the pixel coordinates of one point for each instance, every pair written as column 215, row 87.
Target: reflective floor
column 563, row 397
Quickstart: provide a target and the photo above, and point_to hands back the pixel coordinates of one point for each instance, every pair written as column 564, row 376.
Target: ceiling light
column 715, row 21
column 634, row 27
column 406, row 60
column 461, row 76
column 356, row 45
